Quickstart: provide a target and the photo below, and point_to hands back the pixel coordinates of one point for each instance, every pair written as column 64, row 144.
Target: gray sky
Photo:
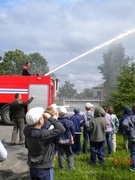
column 61, row 30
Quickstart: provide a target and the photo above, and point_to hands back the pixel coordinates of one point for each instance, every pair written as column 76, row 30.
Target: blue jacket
column 127, row 113
column 78, row 121
column 65, row 138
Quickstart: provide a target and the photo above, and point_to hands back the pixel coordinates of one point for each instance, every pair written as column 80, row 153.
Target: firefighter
column 17, row 115
column 25, row 70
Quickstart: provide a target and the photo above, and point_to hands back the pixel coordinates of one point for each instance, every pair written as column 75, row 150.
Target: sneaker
column 63, row 169
column 109, row 156
column 72, row 169
column 12, row 144
column 102, row 163
column 21, row 143
column 93, row 163
column 132, row 170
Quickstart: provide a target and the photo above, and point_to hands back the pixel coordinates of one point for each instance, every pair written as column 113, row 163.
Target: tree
column 38, row 64
column 87, row 93
column 67, row 90
column 125, row 94
column 114, row 59
column 13, row 62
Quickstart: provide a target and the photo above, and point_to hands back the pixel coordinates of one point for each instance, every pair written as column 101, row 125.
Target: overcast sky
column 61, row 30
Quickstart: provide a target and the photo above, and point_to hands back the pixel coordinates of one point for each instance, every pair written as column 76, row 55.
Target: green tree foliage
column 87, row 93
column 67, row 90
column 114, row 59
column 13, row 62
column 125, row 94
column 38, row 64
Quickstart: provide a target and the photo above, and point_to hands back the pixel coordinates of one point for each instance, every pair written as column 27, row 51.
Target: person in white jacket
column 3, row 152
column 115, row 126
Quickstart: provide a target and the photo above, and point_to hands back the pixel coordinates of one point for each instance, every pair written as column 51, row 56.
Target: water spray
column 92, row 50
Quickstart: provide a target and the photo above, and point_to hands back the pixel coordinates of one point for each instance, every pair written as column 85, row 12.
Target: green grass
column 111, row 170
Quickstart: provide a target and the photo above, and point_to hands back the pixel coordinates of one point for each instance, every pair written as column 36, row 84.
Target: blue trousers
column 77, row 144
column 41, row 174
column 97, row 149
column 109, row 142
column 132, row 151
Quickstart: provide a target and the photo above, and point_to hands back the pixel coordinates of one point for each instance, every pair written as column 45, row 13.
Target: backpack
column 87, row 118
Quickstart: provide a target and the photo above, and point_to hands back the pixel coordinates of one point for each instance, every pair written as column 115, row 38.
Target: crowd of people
column 49, row 132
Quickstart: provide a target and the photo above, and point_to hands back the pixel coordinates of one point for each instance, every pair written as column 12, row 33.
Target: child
column 87, row 116
column 64, row 140
column 55, row 107
column 39, row 143
column 129, row 126
column 127, row 113
column 52, row 110
column 108, row 130
column 47, row 124
column 77, row 120
column 97, row 136
column 115, row 126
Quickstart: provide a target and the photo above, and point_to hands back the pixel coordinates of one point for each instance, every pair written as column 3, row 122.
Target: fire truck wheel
column 5, row 116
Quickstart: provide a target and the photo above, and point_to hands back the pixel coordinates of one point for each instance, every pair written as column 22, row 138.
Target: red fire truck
column 42, row 87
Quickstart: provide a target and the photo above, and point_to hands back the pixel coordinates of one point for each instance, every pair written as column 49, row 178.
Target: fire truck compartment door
column 41, row 95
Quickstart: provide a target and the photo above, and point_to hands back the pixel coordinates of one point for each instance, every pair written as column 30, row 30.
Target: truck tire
column 5, row 116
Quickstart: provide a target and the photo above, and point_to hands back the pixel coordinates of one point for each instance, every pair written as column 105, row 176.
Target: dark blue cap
column 76, row 110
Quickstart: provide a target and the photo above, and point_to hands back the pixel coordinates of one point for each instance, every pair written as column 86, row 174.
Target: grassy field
column 115, row 168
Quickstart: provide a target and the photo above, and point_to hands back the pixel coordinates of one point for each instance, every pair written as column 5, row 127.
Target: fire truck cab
column 42, row 87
